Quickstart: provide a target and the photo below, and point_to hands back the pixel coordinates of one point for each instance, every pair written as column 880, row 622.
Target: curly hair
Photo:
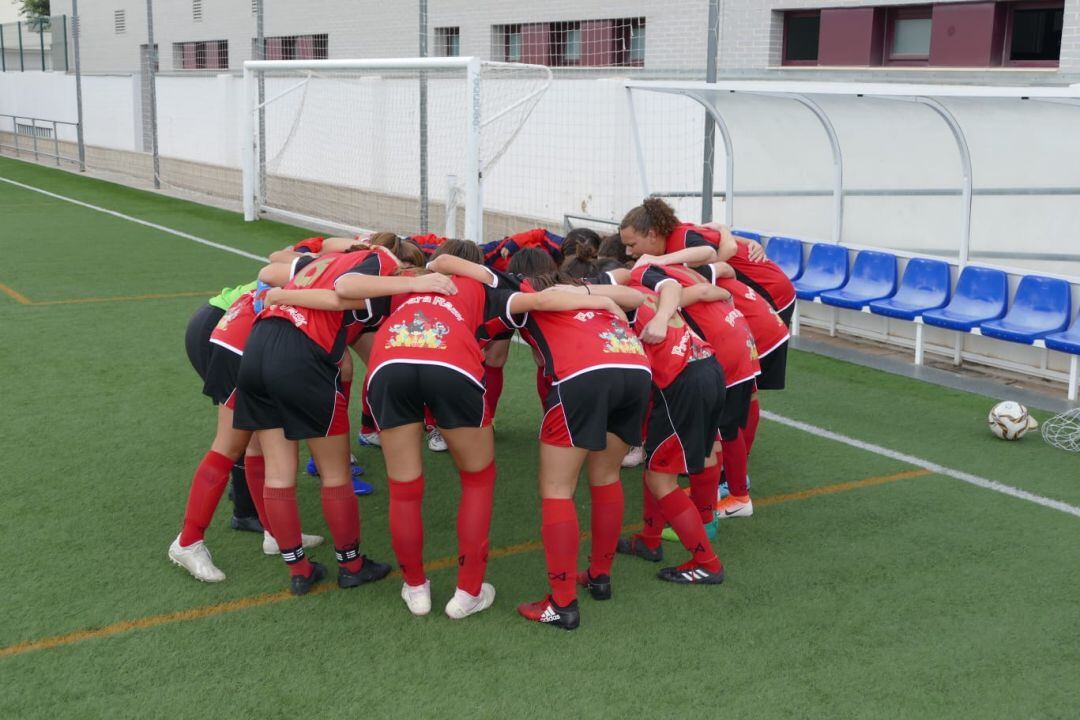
column 651, row 214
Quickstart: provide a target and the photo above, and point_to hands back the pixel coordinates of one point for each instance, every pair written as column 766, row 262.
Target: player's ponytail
column 651, row 214
column 583, row 262
column 464, row 249
column 539, row 268
column 403, row 249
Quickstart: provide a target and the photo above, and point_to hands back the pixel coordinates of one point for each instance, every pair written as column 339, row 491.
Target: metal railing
column 35, row 44
column 35, row 136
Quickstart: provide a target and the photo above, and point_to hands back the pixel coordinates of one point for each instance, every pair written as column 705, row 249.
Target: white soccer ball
column 1009, row 420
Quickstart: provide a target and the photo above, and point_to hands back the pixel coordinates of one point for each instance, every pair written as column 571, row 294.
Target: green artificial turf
column 920, row 598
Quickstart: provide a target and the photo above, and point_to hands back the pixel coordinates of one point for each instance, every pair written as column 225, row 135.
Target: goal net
column 400, row 145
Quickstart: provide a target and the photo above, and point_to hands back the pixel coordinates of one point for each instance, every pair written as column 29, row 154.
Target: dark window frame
column 788, row 16
column 447, row 39
column 1006, row 55
column 911, row 12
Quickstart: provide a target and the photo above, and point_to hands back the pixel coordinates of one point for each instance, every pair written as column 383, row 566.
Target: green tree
column 33, row 8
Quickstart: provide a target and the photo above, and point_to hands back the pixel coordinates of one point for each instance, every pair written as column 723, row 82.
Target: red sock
column 735, row 465
column 703, row 491
column 284, row 515
column 653, row 518
column 407, row 528
column 255, row 470
column 543, row 385
column 343, row 518
column 685, row 521
column 752, row 420
column 607, row 519
column 429, row 417
column 367, row 421
column 473, row 526
column 493, row 385
column 209, row 482
column 559, row 530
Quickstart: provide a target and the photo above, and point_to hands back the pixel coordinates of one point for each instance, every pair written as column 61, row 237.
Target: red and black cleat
column 547, row 612
column 691, row 573
column 599, row 587
column 635, row 545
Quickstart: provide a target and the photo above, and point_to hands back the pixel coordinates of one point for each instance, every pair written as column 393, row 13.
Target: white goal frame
column 472, row 66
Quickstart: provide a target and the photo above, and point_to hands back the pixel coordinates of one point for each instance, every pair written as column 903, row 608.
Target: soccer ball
column 1009, row 420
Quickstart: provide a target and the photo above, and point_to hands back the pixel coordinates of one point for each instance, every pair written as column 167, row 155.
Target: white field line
column 926, row 464
column 155, row 226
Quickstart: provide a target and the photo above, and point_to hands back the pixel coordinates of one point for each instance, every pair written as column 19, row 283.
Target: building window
column 293, row 47
column 208, row 55
column 1034, row 35
column 572, row 43
column 119, row 22
column 907, row 36
column 144, row 53
column 802, row 31
column 447, row 42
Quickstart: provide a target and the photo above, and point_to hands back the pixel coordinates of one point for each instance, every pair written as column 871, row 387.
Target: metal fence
column 40, row 138
column 37, row 44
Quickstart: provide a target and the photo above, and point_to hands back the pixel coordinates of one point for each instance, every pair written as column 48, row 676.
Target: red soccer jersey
column 235, row 325
column 326, row 328
column 679, row 347
column 765, row 277
column 577, row 341
column 309, row 245
column 429, row 329
column 719, row 323
column 768, row 329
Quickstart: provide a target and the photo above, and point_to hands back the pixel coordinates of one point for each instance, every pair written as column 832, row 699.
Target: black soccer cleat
column 599, row 587
column 635, row 545
column 691, row 573
column 370, row 571
column 547, row 612
column 300, row 585
column 247, row 524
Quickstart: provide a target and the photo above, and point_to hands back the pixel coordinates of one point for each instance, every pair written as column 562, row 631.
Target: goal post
column 340, row 148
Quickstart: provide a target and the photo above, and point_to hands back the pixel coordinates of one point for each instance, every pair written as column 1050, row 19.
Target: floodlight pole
column 474, row 209
column 76, row 31
column 151, row 60
column 260, row 48
column 710, row 125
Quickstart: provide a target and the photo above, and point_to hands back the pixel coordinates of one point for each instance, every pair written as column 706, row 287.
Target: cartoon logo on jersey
column 228, row 317
column 751, row 346
column 311, row 272
column 420, row 333
column 619, row 340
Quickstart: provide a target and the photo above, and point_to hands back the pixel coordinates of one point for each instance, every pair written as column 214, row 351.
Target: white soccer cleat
column 436, row 442
column 195, row 558
column 417, row 597
column 733, row 506
column 270, row 546
column 462, row 605
column 369, row 439
column 634, row 457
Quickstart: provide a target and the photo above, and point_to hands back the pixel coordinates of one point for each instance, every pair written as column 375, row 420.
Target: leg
column 211, row 476
column 704, row 567
column 606, row 508
column 495, row 356
column 473, row 450
column 753, row 418
column 255, row 474
column 404, row 470
column 703, row 486
column 280, row 498
column 338, row 502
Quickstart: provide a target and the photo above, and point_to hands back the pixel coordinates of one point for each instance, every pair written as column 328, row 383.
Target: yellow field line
column 440, row 564
column 15, row 295
column 23, row 300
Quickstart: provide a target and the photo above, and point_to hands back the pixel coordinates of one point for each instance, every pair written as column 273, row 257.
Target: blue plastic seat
column 787, row 253
column 1041, row 306
column 924, row 286
column 1068, row 341
column 826, row 269
column 748, row 234
column 873, row 277
column 981, row 295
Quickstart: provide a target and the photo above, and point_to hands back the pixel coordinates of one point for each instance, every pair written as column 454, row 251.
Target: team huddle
column 650, row 345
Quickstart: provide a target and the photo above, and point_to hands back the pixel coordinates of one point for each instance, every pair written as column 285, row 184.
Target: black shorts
column 773, row 369
column 581, row 411
column 287, row 381
column 786, row 313
column 397, row 393
column 736, row 409
column 685, row 418
column 197, row 336
column 219, row 383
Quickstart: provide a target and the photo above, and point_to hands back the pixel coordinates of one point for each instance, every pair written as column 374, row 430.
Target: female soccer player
column 427, row 355
column 290, row 390
column 594, row 412
column 686, row 412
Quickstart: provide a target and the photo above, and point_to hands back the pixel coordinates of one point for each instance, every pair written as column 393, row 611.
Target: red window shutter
column 967, row 34
column 851, row 36
column 598, row 42
column 534, row 43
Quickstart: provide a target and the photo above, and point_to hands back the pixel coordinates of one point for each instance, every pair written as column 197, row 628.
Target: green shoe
column 669, row 535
